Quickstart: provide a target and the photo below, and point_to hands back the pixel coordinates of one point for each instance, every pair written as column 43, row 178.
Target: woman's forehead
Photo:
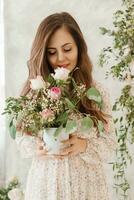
column 60, row 37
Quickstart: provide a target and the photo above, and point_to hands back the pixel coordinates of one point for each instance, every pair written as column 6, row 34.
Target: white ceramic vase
column 53, row 145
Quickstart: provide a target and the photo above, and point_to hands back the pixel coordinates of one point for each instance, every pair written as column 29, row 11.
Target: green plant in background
column 12, row 191
column 121, row 55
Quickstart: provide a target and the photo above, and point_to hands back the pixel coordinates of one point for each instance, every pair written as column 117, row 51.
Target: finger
column 52, row 157
column 66, row 150
column 73, row 134
column 40, row 146
column 70, row 140
column 39, row 140
column 58, row 157
column 73, row 153
column 41, row 152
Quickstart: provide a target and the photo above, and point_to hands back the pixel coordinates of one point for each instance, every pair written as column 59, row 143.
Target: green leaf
column 11, row 123
column 58, row 130
column 51, row 80
column 114, row 107
column 12, row 131
column 11, row 127
column 74, row 83
column 100, row 126
column 62, row 118
column 71, row 126
column 86, row 123
column 6, row 112
column 115, row 120
column 94, row 94
column 121, row 118
column 104, row 30
column 69, row 104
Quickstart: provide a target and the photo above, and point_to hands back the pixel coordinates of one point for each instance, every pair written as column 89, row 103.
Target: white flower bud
column 61, row 74
column 37, row 83
column 15, row 194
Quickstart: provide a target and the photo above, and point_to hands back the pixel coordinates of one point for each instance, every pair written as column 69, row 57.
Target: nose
column 61, row 56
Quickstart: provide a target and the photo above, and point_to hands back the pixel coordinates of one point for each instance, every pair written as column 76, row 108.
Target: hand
column 41, row 151
column 78, row 145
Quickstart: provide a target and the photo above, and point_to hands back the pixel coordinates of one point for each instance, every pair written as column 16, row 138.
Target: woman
column 77, row 173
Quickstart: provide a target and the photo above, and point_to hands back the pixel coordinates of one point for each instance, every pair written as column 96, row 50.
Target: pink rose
column 47, row 113
column 55, row 92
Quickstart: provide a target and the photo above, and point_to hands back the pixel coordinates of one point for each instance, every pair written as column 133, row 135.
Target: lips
column 64, row 65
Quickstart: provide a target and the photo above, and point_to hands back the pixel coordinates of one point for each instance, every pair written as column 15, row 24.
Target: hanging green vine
column 121, row 55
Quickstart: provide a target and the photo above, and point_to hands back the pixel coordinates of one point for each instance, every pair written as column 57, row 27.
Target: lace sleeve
column 26, row 145
column 100, row 149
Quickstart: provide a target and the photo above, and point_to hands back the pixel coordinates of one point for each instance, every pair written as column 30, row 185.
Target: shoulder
column 98, row 85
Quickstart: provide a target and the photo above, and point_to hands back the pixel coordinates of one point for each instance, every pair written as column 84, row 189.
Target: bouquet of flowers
column 50, row 104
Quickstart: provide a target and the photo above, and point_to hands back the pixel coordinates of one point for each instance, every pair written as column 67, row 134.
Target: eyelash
column 66, row 50
column 50, row 53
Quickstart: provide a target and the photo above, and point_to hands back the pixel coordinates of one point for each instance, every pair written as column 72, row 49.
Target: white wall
column 2, row 93
column 21, row 21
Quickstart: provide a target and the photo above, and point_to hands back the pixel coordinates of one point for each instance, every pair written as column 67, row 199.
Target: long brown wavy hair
column 38, row 63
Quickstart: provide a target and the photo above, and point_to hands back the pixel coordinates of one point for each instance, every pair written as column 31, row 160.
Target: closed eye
column 51, row 52
column 67, row 49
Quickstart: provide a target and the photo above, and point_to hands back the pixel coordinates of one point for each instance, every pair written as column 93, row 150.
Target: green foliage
column 71, row 126
column 122, row 52
column 58, row 130
column 124, row 134
column 100, row 126
column 41, row 110
column 94, row 94
column 86, row 123
column 11, row 185
column 123, row 41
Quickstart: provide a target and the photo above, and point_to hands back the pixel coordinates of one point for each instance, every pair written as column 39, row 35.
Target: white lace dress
column 78, row 177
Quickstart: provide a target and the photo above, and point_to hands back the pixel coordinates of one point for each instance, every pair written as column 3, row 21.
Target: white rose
column 61, row 74
column 15, row 194
column 37, row 83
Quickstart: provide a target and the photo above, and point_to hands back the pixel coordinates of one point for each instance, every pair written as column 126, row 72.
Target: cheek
column 74, row 57
column 52, row 60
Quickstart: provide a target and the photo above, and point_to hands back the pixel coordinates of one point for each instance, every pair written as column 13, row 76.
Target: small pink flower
column 55, row 92
column 47, row 113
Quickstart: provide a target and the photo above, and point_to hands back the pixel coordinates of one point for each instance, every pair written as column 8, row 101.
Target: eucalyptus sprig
column 121, row 55
column 122, row 50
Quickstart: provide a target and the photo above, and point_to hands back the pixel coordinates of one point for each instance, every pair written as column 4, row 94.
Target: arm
column 100, row 149
column 30, row 146
column 26, row 145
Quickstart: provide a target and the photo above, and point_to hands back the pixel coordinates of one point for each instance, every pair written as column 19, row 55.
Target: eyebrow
column 62, row 46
